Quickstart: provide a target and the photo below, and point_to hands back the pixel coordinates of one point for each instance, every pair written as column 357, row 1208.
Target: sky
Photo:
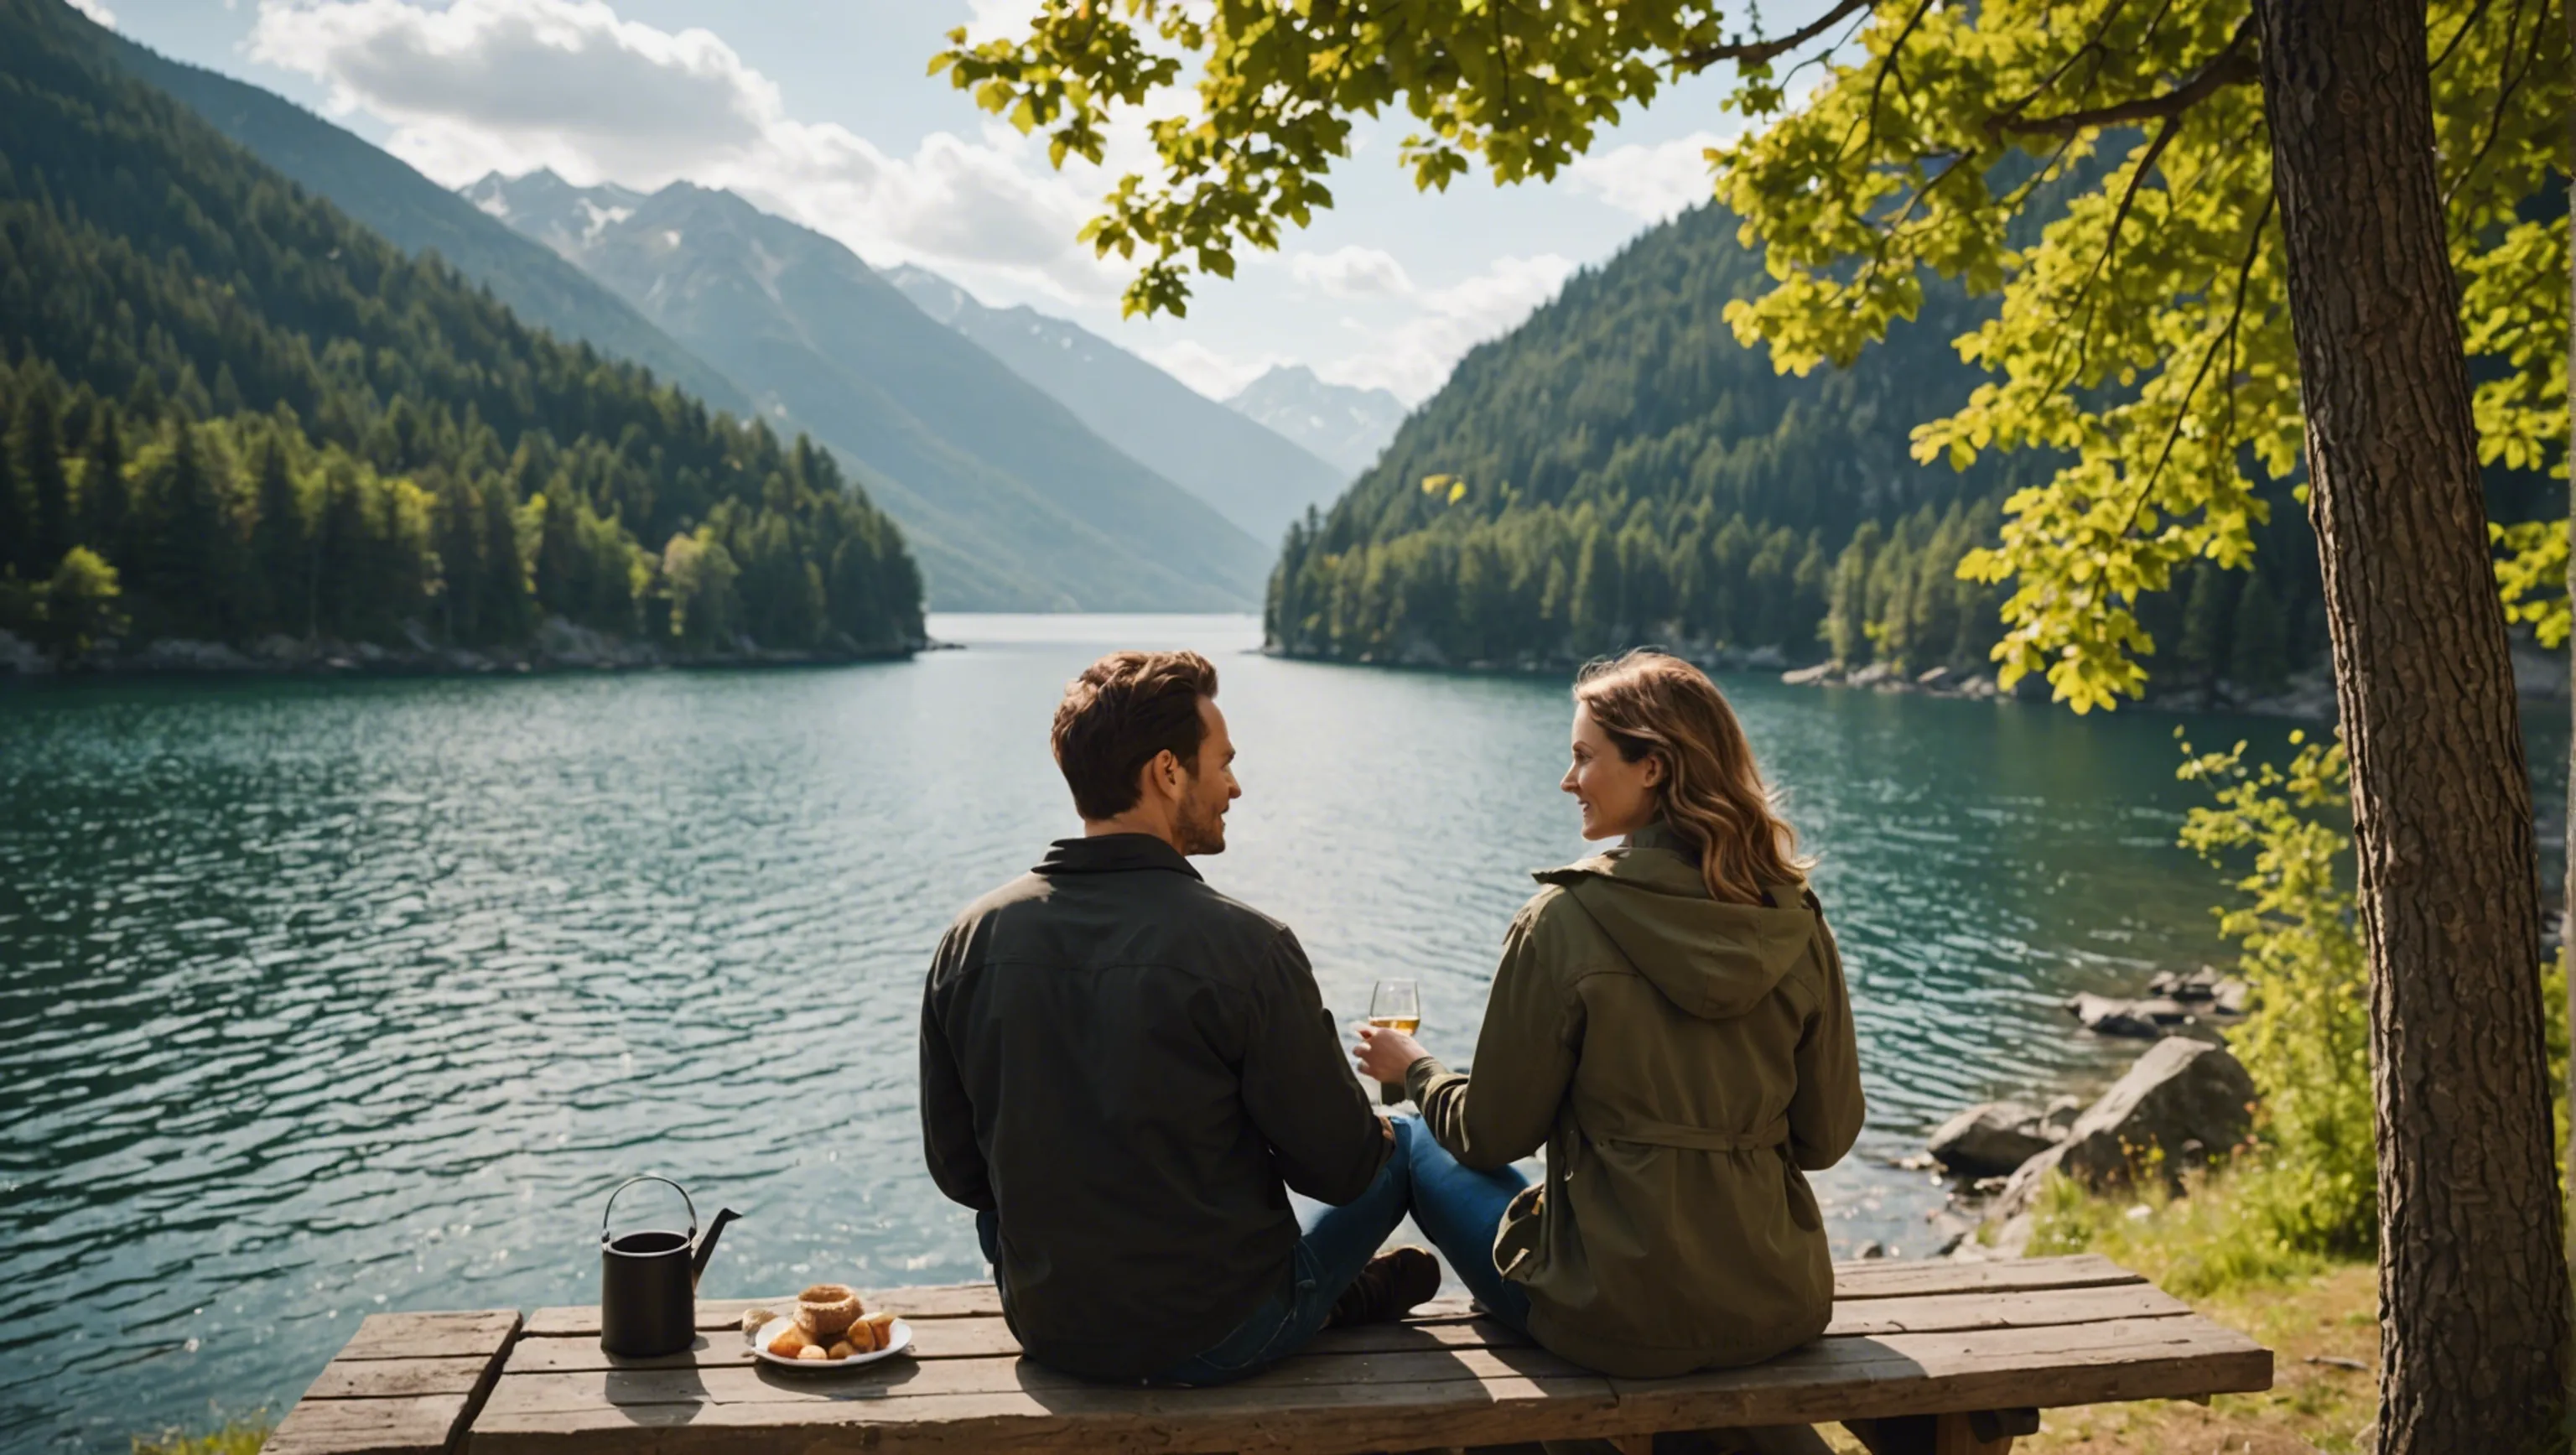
column 823, row 111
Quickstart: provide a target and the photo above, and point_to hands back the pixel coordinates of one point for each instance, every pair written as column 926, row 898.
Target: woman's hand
column 1385, row 1053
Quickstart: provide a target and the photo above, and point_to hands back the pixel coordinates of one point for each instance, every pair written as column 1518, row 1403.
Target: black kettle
column 648, row 1281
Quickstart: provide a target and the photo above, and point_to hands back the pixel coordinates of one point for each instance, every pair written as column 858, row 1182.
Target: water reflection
column 322, row 998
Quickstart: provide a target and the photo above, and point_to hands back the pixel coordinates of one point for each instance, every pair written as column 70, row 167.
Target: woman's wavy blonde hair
column 1650, row 702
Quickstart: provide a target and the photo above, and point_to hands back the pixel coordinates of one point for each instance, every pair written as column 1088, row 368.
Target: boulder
column 2191, row 987
column 1876, row 674
column 2061, row 1116
column 20, row 656
column 2106, row 1016
column 2182, row 1103
column 1820, row 673
column 1989, row 1140
column 1934, row 678
column 1766, row 658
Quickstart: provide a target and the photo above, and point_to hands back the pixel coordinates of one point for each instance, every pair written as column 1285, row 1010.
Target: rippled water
column 320, row 998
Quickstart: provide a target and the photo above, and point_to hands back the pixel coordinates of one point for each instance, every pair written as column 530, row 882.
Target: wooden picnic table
column 1939, row 1357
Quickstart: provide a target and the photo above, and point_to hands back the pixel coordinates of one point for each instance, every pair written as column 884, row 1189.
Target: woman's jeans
column 1337, row 1243
column 1460, row 1209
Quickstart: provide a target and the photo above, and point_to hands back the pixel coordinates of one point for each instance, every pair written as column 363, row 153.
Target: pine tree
column 280, row 548
column 1847, row 609
column 2260, row 661
column 37, row 451
column 2205, row 639
column 105, row 497
column 17, row 516
column 1596, row 592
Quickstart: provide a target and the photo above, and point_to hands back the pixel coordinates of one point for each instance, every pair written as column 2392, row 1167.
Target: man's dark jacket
column 1125, row 1065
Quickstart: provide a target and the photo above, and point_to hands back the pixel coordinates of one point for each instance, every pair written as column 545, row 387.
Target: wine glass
column 1396, row 1005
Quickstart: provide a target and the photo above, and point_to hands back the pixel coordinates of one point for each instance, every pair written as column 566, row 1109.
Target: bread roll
column 791, row 1343
column 813, row 1352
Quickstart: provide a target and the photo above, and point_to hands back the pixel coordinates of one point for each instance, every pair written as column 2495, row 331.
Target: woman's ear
column 1654, row 770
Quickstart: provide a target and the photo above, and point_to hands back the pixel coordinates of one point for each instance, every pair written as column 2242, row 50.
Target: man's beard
column 1201, row 830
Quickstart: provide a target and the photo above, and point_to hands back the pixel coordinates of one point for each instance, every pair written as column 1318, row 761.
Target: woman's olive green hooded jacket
column 1683, row 1060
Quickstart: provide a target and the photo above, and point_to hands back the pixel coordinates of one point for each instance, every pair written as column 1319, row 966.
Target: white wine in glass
column 1395, row 1005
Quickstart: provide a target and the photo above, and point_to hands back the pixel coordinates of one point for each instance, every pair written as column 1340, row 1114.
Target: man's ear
column 1165, row 768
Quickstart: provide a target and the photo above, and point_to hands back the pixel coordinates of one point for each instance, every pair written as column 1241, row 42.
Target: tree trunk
column 2472, row 1278
column 2567, row 888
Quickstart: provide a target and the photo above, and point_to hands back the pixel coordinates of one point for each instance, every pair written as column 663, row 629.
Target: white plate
column 898, row 1339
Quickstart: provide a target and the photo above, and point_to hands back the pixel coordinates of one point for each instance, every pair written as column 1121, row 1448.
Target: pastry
column 841, row 1350
column 791, row 1343
column 826, row 1309
column 880, row 1326
column 753, row 1319
column 813, row 1352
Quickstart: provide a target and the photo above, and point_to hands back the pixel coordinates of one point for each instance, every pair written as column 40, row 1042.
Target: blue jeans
column 1460, row 1209
column 1336, row 1243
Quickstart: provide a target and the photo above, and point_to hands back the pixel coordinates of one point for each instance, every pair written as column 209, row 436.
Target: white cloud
column 1652, row 181
column 1352, row 272
column 1413, row 356
column 514, row 85
column 96, row 10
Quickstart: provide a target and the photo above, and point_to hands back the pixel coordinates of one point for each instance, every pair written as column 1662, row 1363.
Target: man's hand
column 1384, row 1054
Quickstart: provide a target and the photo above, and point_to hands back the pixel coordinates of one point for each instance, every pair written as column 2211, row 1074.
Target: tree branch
column 1763, row 52
column 2230, row 67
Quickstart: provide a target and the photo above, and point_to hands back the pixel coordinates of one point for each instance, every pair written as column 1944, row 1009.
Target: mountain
column 1011, row 502
column 1344, row 425
column 1256, row 477
column 235, row 415
column 382, row 193
column 1620, row 470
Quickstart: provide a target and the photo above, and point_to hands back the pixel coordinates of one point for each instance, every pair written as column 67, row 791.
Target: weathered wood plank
column 970, row 1338
column 1906, row 1374
column 1330, row 1405
column 894, row 1380
column 1867, row 1279
column 398, row 1378
column 415, row 1425
column 1884, row 1278
column 431, row 1335
column 1235, row 1418
column 936, row 1301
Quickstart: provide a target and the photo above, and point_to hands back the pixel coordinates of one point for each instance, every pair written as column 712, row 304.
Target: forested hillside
column 231, row 413
column 383, row 193
column 1620, row 470
column 1012, row 503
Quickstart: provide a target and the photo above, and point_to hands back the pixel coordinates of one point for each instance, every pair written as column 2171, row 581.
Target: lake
column 325, row 997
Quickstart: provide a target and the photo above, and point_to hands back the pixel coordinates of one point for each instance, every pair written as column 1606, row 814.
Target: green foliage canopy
column 2102, row 170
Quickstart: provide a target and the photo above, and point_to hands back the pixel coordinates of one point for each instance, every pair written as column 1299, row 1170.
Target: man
column 1121, row 1067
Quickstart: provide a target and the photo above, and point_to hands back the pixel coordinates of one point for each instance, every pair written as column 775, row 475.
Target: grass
column 232, row 1437
column 2216, row 1246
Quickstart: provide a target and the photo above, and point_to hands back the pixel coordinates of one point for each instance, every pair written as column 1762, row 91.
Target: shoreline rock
column 559, row 646
column 2185, row 1100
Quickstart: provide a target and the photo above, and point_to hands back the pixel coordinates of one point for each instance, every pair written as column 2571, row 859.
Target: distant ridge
column 382, row 192
column 1010, row 502
column 1257, row 477
column 1344, row 425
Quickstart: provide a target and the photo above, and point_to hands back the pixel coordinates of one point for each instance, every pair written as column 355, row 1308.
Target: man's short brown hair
column 1118, row 714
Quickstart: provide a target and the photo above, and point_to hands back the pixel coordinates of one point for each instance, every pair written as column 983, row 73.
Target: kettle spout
column 707, row 1244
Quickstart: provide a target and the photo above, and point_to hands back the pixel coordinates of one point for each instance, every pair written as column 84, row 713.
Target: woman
column 1670, row 1020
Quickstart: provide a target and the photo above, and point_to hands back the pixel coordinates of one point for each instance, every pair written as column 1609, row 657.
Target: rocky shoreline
column 558, row 646
column 2183, row 1102
column 2307, row 696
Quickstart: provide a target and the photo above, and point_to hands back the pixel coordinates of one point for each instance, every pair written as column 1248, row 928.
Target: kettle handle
column 648, row 1177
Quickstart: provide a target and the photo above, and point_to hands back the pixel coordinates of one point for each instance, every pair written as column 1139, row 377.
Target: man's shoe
column 1388, row 1288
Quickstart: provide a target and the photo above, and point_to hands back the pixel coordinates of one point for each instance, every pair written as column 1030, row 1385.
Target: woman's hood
column 1712, row 959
